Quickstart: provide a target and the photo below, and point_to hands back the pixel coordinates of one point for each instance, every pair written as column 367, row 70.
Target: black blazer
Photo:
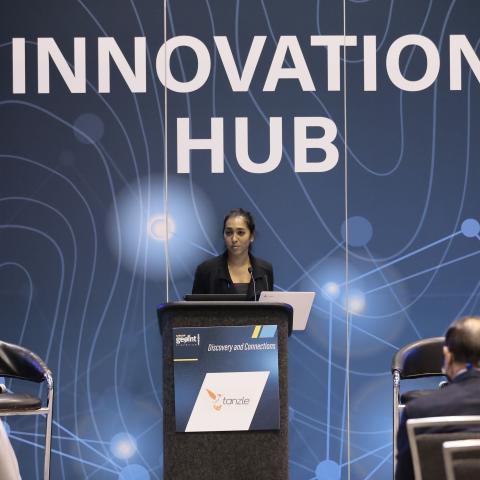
column 460, row 397
column 212, row 276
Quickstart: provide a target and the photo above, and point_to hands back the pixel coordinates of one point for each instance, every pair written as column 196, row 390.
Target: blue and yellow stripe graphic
column 264, row 331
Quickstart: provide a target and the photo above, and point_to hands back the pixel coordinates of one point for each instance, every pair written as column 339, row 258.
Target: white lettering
column 299, row 71
column 163, row 64
column 393, row 63
column 370, row 63
column 47, row 48
column 136, row 80
column 333, row 44
column 185, row 143
column 303, row 143
column 237, row 82
column 458, row 45
column 18, row 65
column 241, row 146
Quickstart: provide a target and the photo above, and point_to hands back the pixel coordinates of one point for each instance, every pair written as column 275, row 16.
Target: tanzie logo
column 187, row 340
column 219, row 400
column 227, row 401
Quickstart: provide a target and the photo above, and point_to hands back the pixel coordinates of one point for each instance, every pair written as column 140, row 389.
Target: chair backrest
column 19, row 362
column 422, row 358
column 462, row 459
column 426, row 437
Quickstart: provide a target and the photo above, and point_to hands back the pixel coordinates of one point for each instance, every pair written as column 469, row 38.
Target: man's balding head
column 463, row 340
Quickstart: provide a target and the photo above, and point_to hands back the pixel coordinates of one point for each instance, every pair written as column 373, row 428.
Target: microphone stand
column 250, row 271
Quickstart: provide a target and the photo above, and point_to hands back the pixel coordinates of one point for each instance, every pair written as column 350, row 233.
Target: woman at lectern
column 236, row 270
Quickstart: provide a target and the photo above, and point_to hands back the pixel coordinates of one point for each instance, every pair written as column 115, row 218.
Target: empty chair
column 20, row 363
column 462, row 459
column 426, row 437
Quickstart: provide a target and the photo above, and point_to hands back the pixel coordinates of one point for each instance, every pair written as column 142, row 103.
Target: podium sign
column 226, row 378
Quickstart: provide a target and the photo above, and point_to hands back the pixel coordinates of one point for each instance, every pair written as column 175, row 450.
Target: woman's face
column 237, row 236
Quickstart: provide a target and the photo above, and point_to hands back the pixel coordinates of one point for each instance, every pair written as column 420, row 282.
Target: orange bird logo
column 217, row 399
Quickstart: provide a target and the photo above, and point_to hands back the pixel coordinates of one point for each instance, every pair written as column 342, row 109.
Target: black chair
column 426, row 437
column 422, row 358
column 19, row 363
column 462, row 459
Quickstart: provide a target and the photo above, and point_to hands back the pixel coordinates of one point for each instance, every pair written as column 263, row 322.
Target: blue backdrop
column 82, row 209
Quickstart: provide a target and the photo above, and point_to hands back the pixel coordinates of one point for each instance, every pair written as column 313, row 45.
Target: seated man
column 8, row 460
column 460, row 397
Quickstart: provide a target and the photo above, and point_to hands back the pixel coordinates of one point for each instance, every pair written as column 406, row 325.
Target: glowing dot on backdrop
column 470, row 227
column 158, row 227
column 360, row 231
column 137, row 227
column 91, row 125
column 123, row 446
column 331, row 291
column 134, row 472
column 328, row 470
column 356, row 302
column 327, row 276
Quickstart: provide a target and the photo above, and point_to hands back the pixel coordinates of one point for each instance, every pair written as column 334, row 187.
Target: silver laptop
column 301, row 303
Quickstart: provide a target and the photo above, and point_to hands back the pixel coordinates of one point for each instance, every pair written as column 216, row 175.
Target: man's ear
column 447, row 354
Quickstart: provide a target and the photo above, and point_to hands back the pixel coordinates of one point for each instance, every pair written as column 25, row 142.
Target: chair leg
column 48, row 437
column 396, row 416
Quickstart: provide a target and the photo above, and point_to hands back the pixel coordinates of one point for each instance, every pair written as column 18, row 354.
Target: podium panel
column 258, row 454
column 226, row 378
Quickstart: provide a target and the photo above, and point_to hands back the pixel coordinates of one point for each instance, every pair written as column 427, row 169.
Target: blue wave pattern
column 83, row 224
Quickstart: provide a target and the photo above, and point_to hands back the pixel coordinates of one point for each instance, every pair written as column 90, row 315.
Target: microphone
column 250, row 271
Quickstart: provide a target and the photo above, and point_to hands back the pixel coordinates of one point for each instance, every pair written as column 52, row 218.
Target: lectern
column 225, row 390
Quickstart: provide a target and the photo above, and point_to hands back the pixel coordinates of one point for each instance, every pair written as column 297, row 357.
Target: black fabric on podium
column 224, row 455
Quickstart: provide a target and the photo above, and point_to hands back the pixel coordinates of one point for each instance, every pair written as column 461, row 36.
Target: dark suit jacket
column 460, row 397
column 212, row 276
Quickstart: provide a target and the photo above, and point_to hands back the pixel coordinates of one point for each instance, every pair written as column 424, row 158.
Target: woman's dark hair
column 463, row 340
column 240, row 212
